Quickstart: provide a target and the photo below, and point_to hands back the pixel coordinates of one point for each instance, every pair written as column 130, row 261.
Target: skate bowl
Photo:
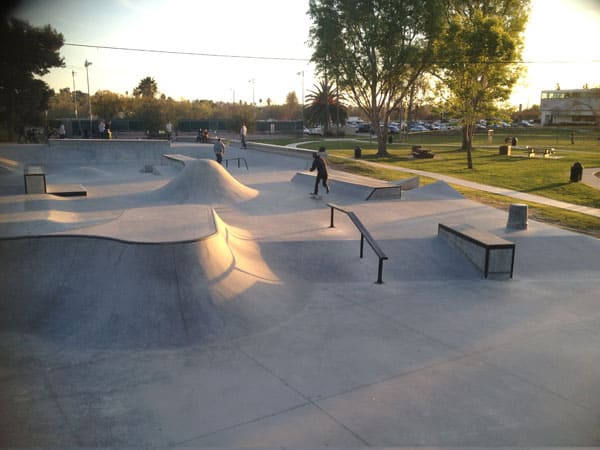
column 110, row 294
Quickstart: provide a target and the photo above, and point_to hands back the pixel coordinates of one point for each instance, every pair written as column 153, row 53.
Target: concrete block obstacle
column 35, row 183
column 517, row 216
column 491, row 254
column 35, row 180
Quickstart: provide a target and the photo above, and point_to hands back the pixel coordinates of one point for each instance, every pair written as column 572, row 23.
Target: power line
column 280, row 58
column 172, row 52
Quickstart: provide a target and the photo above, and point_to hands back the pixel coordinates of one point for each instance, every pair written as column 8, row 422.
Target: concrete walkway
column 588, row 178
column 201, row 307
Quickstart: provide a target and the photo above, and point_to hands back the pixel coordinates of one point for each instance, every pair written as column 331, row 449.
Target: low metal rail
column 238, row 162
column 364, row 235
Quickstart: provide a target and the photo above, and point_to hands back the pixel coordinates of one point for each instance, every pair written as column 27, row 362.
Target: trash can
column 576, row 172
column 357, row 152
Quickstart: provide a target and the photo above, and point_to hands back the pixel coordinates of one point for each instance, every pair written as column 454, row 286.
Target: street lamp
column 302, row 73
column 252, row 81
column 87, row 64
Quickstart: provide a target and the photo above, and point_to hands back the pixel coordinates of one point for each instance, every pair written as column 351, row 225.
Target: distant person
column 205, row 135
column 322, row 153
column 243, row 133
column 199, row 137
column 61, row 131
column 101, row 128
column 219, row 149
column 169, row 129
column 322, row 175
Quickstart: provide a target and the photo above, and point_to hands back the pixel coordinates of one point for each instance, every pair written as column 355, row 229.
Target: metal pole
column 302, row 73
column 87, row 64
column 74, row 95
column 252, row 81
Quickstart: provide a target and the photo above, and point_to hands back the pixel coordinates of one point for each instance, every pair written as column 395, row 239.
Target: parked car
column 316, row 131
column 417, row 127
column 364, row 128
column 393, row 129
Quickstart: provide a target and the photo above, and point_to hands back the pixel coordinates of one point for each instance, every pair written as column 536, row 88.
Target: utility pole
column 87, row 64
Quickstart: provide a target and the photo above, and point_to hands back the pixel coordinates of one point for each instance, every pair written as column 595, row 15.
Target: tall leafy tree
column 375, row 50
column 25, row 52
column 477, row 58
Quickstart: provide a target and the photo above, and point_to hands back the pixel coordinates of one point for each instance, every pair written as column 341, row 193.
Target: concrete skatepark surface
column 194, row 306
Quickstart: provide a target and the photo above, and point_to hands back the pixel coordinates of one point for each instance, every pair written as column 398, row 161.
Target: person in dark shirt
column 320, row 166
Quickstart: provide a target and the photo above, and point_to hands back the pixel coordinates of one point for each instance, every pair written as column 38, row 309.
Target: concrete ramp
column 352, row 186
column 439, row 190
column 95, row 293
column 203, row 181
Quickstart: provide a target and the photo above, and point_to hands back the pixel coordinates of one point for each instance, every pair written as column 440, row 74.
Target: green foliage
column 375, row 50
column 325, row 106
column 147, row 88
column 476, row 58
column 25, row 52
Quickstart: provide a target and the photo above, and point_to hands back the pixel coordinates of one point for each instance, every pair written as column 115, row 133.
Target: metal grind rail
column 364, row 235
column 238, row 162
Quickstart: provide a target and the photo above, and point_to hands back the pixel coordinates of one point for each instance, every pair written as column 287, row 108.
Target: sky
column 561, row 47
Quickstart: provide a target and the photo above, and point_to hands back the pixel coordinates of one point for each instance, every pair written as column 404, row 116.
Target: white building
column 570, row 107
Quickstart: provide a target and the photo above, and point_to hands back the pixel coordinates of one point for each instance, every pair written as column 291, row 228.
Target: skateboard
column 315, row 196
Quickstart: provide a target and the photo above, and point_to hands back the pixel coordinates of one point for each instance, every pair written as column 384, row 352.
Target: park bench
column 546, row 152
column 419, row 152
column 491, row 254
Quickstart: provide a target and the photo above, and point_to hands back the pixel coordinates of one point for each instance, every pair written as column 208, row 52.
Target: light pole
column 75, row 101
column 252, row 81
column 302, row 73
column 74, row 94
column 233, row 90
column 87, row 64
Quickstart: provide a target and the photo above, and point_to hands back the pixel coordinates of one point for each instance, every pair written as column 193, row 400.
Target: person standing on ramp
column 321, row 167
column 219, row 148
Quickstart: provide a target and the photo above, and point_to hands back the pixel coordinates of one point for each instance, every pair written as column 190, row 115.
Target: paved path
column 589, row 178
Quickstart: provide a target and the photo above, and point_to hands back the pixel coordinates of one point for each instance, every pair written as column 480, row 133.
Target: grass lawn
column 548, row 177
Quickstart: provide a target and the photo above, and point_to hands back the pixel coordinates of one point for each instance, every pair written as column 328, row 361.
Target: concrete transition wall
column 98, row 151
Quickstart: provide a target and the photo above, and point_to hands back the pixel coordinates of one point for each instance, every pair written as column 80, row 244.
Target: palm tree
column 325, row 106
column 147, row 88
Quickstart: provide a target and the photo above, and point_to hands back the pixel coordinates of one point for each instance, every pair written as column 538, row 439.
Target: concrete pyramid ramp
column 204, row 181
column 439, row 190
column 107, row 294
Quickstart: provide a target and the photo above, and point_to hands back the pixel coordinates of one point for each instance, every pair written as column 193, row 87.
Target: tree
column 107, row 104
column 147, row 88
column 291, row 110
column 323, row 104
column 374, row 50
column 26, row 51
column 477, row 56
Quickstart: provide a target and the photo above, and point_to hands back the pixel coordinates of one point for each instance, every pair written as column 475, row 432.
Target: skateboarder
column 219, row 148
column 321, row 167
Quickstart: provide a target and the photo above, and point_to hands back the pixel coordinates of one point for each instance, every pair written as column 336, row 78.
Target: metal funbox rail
column 364, row 234
column 238, row 162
